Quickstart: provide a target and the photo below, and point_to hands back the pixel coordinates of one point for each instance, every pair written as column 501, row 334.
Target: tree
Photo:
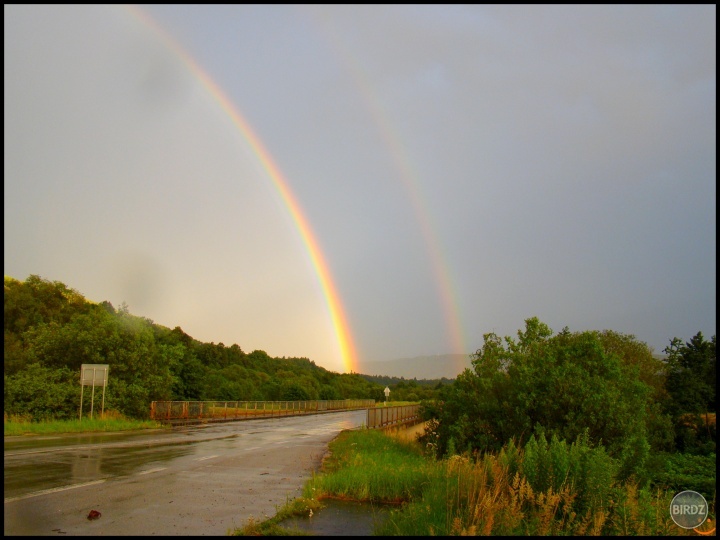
column 691, row 379
column 50, row 330
column 691, row 383
column 565, row 385
column 42, row 393
column 292, row 391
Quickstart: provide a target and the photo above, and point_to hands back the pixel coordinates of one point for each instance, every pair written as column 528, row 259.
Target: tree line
column 50, row 330
column 605, row 386
column 601, row 388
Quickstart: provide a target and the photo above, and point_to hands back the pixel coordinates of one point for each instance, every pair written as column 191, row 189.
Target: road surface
column 199, row 480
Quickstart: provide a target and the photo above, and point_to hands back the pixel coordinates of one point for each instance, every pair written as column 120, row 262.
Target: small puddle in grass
column 340, row 518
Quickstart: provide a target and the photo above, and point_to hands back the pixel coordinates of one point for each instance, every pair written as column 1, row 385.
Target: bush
column 588, row 471
column 43, row 393
column 568, row 385
column 680, row 472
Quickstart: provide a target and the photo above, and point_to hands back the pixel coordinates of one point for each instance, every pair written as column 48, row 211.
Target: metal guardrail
column 169, row 411
column 391, row 416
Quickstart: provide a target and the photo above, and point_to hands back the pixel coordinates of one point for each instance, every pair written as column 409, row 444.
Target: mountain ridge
column 434, row 366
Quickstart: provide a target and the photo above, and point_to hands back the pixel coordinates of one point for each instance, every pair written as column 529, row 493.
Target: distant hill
column 420, row 367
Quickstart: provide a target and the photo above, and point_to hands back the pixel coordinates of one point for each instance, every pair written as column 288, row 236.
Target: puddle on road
column 340, row 518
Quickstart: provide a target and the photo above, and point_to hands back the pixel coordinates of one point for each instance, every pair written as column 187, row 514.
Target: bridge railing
column 169, row 411
column 391, row 416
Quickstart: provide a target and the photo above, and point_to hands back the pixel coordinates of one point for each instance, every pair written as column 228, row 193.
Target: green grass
column 19, row 426
column 371, row 466
column 478, row 495
column 302, row 506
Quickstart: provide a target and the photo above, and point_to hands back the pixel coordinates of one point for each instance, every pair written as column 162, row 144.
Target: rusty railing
column 392, row 416
column 169, row 411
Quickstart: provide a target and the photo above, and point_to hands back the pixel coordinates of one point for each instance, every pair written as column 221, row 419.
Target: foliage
column 301, row 506
column 401, row 388
column 568, row 385
column 490, row 494
column 691, row 384
column 51, row 330
column 551, row 466
column 111, row 421
column 692, row 376
column 369, row 466
column 292, row 391
column 679, row 472
column 42, row 393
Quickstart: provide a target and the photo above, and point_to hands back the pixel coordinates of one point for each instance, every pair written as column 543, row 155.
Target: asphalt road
column 191, row 481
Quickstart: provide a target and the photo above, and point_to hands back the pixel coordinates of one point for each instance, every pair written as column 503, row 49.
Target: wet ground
column 340, row 518
column 190, row 481
column 350, row 518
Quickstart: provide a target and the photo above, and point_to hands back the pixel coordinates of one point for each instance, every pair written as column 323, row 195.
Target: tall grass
column 112, row 421
column 544, row 488
column 370, row 466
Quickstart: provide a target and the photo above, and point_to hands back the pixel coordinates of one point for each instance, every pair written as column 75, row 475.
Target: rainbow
column 407, row 175
column 337, row 315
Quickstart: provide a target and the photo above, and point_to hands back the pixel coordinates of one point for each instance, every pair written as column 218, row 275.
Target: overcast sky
column 460, row 168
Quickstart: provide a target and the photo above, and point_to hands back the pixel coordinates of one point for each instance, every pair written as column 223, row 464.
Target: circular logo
column 688, row 509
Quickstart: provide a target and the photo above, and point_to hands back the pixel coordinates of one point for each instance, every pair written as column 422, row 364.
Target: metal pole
column 92, row 398
column 82, row 387
column 102, row 413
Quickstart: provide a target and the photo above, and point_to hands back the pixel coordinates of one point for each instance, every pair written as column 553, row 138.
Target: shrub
column 43, row 393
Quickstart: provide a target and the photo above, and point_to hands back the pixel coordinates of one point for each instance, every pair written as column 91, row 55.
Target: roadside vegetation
column 543, row 488
column 575, row 433
column 18, row 425
column 50, row 330
column 583, row 432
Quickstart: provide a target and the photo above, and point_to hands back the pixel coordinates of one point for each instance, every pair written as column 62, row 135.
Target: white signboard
column 94, row 374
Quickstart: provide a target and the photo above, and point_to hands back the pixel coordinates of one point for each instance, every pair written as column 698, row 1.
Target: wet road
column 197, row 480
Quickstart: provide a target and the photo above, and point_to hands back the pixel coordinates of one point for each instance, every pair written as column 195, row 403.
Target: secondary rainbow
column 405, row 172
column 337, row 315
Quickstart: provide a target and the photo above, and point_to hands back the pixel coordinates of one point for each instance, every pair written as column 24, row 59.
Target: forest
column 52, row 329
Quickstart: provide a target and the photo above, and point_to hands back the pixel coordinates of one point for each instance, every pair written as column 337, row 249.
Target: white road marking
column 53, row 490
column 205, row 457
column 153, row 470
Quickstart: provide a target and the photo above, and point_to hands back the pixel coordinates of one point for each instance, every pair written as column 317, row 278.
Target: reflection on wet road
column 51, row 470
column 249, row 463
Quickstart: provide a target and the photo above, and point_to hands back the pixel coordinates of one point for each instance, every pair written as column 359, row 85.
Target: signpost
column 93, row 375
column 387, row 393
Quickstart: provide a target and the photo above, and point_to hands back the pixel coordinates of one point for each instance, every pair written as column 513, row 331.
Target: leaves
column 564, row 386
column 51, row 330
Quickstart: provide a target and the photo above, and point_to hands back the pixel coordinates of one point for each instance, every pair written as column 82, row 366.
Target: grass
column 302, row 506
column 476, row 495
column 112, row 421
column 372, row 467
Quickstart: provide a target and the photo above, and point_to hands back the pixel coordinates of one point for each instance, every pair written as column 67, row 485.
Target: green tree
column 329, row 393
column 691, row 383
column 292, row 391
column 42, row 393
column 691, row 379
column 565, row 385
column 52, row 328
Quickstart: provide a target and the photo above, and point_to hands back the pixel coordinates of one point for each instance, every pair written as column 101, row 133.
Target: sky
column 364, row 183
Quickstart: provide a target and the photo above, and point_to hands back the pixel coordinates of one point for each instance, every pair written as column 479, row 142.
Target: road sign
column 93, row 375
